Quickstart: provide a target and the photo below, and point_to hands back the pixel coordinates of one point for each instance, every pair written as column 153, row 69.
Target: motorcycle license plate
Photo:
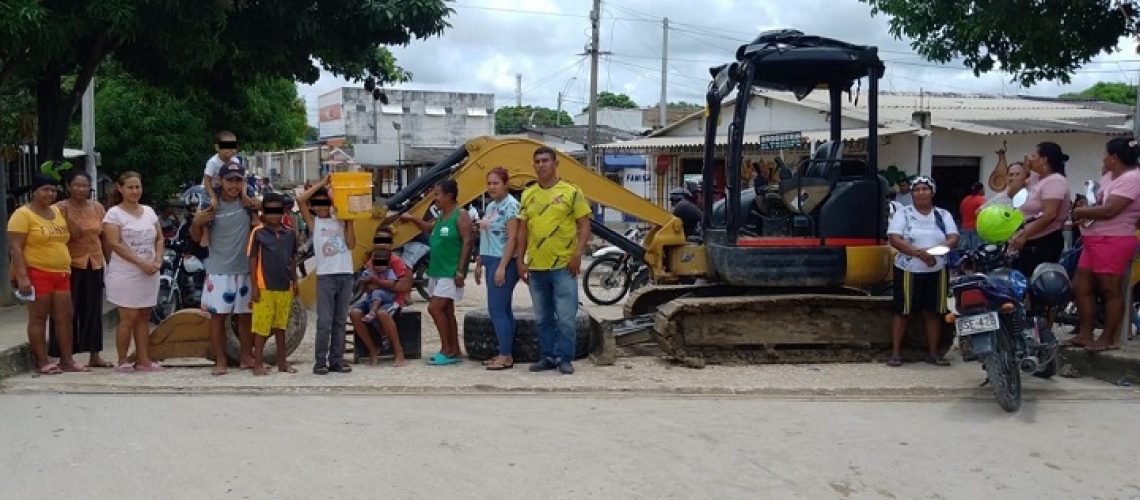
column 981, row 323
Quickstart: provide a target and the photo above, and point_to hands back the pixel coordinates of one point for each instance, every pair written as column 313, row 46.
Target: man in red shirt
column 968, row 210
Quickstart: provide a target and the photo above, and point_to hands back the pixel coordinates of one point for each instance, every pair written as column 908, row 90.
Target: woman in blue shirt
column 497, row 230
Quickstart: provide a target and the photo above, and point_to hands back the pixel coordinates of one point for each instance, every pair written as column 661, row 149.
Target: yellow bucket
column 352, row 194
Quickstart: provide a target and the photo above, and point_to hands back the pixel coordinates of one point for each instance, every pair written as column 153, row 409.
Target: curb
column 1112, row 367
column 17, row 359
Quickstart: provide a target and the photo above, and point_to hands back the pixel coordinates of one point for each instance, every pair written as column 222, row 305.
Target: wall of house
column 767, row 115
column 1085, row 151
column 426, row 119
column 630, row 120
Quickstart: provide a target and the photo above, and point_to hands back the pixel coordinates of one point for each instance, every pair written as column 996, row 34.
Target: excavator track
column 702, row 324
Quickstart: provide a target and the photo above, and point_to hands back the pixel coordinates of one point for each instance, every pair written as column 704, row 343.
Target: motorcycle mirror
column 1020, row 198
column 938, row 251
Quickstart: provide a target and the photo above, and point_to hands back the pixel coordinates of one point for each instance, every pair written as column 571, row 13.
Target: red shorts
column 1107, row 254
column 46, row 282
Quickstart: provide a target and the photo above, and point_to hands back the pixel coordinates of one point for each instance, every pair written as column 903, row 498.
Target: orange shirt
column 86, row 227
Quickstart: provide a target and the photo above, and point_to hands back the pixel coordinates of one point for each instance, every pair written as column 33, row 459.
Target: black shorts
column 917, row 292
column 1047, row 248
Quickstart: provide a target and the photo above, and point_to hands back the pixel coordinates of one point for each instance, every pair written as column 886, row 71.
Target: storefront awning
column 664, row 144
column 617, row 163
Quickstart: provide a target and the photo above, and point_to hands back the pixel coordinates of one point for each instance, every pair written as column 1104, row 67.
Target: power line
column 534, row 12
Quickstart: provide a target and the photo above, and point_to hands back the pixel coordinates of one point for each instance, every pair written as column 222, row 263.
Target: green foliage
column 513, row 119
column 685, row 105
column 221, row 48
column 1034, row 40
column 610, row 100
column 170, row 138
column 1120, row 93
column 312, row 133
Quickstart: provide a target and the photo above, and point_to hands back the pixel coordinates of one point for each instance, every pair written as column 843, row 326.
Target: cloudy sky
column 492, row 40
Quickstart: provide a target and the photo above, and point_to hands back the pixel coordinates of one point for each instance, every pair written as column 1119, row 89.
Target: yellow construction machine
column 792, row 271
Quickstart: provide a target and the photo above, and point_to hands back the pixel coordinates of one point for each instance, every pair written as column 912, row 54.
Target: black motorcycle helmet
column 1050, row 286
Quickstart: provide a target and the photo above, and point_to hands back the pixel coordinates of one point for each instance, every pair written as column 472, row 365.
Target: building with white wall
column 415, row 128
column 954, row 138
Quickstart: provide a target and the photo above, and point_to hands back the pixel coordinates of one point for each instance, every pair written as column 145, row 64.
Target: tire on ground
column 480, row 341
column 294, row 334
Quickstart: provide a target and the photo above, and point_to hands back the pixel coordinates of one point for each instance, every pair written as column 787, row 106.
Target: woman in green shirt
column 450, row 250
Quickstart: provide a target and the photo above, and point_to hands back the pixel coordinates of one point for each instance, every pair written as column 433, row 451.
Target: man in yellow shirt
column 555, row 228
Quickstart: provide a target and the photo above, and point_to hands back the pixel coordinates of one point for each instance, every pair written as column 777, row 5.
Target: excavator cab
column 822, row 224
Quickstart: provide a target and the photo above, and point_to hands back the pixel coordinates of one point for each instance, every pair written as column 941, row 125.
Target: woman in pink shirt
column 1109, row 245
column 1043, row 239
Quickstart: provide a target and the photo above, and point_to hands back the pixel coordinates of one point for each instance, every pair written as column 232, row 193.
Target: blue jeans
column 499, row 302
column 334, row 291
column 555, row 297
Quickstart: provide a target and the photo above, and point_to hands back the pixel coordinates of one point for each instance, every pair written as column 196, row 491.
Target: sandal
column 75, row 368
column 936, row 360
column 50, row 369
column 500, row 364
column 441, row 359
column 125, row 368
column 895, row 361
column 1073, row 342
column 153, row 367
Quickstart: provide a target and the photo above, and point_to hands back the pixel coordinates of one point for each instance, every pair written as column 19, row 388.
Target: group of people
column 1105, row 236
column 538, row 240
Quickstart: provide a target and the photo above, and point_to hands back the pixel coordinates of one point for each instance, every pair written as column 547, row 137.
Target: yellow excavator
column 793, row 271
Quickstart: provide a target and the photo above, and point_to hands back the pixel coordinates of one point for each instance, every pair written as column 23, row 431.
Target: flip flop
column 153, row 367
column 500, row 366
column 74, row 368
column 50, row 369
column 290, row 370
column 441, row 359
column 217, row 372
column 1071, row 343
column 937, row 361
column 895, row 361
column 125, row 368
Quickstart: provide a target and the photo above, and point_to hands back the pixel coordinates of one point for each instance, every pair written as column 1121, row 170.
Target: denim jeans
column 499, row 302
column 555, row 297
column 334, row 291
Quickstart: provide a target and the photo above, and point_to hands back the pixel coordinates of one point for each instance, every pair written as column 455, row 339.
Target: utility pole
column 518, row 89
column 663, row 121
column 595, row 39
column 88, row 127
column 558, row 117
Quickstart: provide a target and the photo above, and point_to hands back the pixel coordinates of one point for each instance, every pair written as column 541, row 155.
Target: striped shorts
column 917, row 292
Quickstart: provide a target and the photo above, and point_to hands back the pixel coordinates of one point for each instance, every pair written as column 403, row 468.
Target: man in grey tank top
column 227, row 288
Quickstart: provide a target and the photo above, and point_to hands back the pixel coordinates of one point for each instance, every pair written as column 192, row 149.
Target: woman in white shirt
column 920, row 279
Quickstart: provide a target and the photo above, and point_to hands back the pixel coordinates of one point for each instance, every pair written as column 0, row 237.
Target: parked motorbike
column 1002, row 316
column 614, row 273
column 181, row 281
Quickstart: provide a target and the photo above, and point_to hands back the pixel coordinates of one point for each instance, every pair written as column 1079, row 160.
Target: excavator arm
column 664, row 249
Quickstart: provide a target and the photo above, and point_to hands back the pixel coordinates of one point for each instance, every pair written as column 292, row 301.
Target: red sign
column 663, row 163
column 330, row 113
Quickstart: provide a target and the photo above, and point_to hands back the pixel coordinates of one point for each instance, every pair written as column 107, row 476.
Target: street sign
column 776, row 142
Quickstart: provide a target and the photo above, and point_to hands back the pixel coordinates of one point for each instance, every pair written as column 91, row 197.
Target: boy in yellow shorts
column 272, row 265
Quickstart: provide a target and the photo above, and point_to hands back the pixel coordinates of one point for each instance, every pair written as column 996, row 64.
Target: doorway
column 954, row 176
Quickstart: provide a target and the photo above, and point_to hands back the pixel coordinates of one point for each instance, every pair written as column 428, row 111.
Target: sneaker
column 320, row 370
column 565, row 368
column 544, row 364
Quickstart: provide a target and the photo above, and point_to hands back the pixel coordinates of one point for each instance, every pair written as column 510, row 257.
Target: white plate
column 981, row 323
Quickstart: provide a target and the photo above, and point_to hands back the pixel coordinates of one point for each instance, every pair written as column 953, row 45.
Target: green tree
column 1034, row 40
column 220, row 46
column 610, row 100
column 1120, row 93
column 312, row 134
column 685, row 105
column 169, row 140
column 513, row 119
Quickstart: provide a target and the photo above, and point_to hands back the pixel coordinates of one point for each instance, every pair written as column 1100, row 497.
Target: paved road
column 123, row 446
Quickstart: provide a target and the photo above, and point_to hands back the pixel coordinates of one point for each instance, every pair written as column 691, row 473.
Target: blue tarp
column 617, row 163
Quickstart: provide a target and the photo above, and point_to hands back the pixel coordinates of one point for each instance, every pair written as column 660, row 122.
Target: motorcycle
column 614, row 273
column 1001, row 318
column 180, row 282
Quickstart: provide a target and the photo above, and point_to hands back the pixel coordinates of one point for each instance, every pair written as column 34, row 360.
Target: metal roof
column 651, row 145
column 976, row 114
